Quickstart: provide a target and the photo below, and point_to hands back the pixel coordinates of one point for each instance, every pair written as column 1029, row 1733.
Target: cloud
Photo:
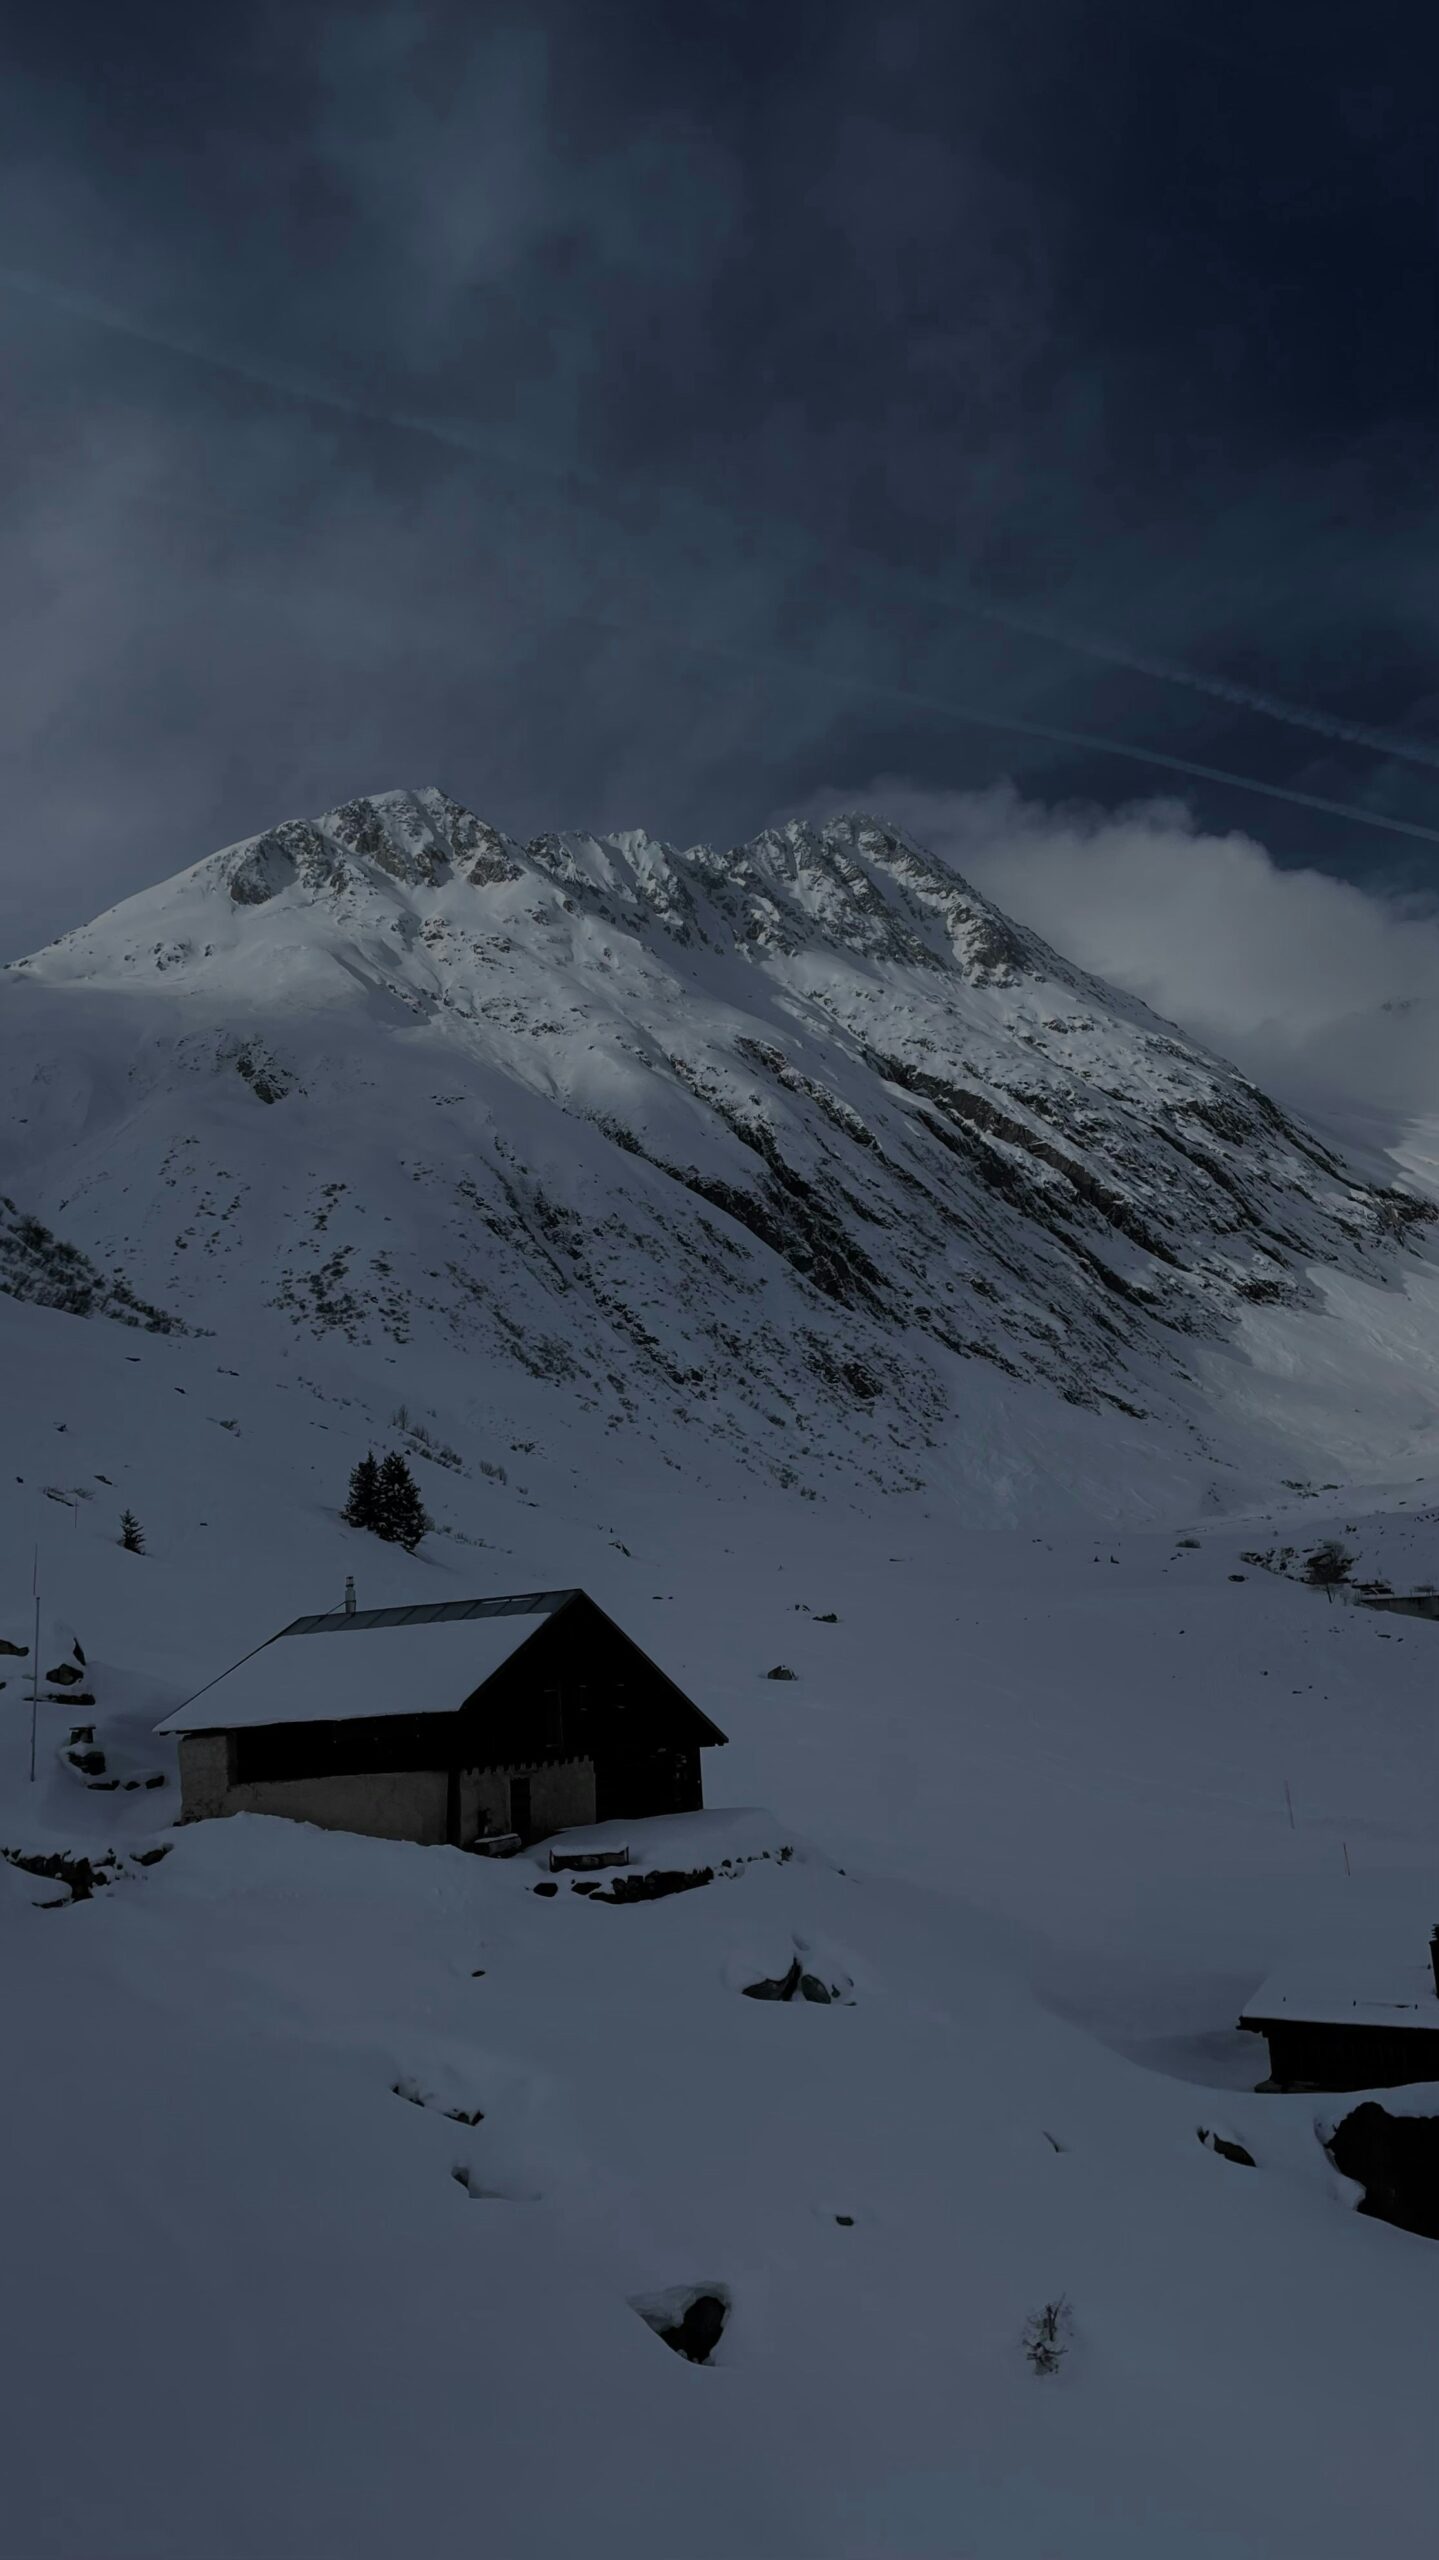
column 491, row 232
column 1326, row 993
column 546, row 403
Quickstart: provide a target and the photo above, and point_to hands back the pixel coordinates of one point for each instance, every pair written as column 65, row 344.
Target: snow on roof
column 413, row 1662
column 1373, row 1985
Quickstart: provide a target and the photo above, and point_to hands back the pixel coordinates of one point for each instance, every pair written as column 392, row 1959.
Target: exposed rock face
column 693, row 2326
column 80, row 1874
column 772, row 1144
column 795, row 1984
column 656, row 1884
column 1396, row 2161
column 44, row 1271
column 1226, row 2149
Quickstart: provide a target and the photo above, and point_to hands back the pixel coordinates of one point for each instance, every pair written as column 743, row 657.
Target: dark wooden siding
column 580, row 1690
column 359, row 1745
column 629, row 1786
column 1304, row 2055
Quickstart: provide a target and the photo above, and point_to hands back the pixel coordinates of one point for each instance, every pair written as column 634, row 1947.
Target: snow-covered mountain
column 721, row 1234
column 780, row 1150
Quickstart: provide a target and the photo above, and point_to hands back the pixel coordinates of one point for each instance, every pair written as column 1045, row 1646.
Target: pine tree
column 363, row 1507
column 1328, row 1566
column 403, row 1517
column 132, row 1536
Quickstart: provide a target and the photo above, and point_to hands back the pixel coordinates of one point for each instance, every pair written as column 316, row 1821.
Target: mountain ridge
column 778, row 1142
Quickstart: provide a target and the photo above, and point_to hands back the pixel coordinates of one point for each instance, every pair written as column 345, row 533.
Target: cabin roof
column 409, row 1667
column 433, row 1613
column 1360, row 1987
column 424, row 1660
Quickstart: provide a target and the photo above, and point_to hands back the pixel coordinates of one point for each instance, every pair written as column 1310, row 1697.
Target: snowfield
column 347, row 2179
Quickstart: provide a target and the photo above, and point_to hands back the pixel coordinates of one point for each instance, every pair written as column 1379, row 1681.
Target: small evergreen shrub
column 385, row 1499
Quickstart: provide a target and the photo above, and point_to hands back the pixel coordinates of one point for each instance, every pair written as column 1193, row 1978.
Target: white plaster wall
column 404, row 1804
column 562, row 1795
column 204, row 1774
column 483, row 1792
column 390, row 1804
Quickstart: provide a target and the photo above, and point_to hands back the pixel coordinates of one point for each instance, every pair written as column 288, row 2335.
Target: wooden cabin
column 465, row 1719
column 1368, row 2020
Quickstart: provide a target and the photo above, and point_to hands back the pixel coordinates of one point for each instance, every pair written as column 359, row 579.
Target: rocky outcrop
column 1395, row 2159
column 691, row 2324
column 44, row 1271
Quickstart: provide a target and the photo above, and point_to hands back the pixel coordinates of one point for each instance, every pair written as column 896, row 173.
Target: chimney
column 349, row 1595
column 1434, row 1956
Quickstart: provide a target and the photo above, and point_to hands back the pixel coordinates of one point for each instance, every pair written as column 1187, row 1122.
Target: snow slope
column 1034, row 1791
column 341, row 2174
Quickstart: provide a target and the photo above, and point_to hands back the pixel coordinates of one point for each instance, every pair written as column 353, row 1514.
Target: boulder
column 654, row 1886
column 1226, row 2150
column 1396, row 2161
column 692, row 2324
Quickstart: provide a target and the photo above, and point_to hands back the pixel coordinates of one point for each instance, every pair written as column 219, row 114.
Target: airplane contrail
column 102, row 315
column 981, row 716
column 464, row 440
column 1297, row 715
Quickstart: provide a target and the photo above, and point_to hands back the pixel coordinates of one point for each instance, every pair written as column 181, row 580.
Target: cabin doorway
column 521, row 1819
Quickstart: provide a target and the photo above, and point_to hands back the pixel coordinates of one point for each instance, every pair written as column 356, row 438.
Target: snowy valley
column 795, row 1254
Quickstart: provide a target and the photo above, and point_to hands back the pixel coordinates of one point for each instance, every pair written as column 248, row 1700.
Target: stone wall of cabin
column 484, row 1803
column 385, row 1804
column 394, row 1804
column 562, row 1796
column 206, row 1768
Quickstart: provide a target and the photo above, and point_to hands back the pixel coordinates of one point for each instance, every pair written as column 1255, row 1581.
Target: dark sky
column 649, row 415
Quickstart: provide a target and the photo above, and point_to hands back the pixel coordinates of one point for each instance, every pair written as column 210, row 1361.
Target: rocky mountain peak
column 418, row 838
column 783, row 1142
column 853, row 883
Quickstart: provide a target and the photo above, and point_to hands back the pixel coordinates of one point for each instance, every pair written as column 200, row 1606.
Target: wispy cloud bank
column 628, row 418
column 1325, row 992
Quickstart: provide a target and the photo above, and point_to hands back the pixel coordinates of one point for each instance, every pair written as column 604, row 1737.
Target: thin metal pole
column 35, row 1666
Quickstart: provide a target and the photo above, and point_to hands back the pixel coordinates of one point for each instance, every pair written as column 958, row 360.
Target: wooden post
column 35, row 1665
column 1289, row 1800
